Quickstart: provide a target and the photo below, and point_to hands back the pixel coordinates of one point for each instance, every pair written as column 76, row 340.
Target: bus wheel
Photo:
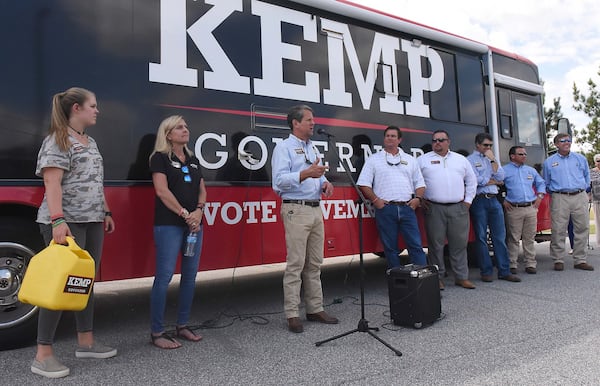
column 18, row 321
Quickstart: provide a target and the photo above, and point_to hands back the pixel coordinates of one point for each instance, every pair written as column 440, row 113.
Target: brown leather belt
column 522, row 204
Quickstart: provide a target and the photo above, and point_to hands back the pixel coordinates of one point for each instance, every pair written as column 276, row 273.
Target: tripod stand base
column 363, row 326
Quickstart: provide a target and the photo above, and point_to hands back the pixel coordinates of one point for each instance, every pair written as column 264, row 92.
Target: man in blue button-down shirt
column 567, row 176
column 487, row 211
column 299, row 178
column 525, row 189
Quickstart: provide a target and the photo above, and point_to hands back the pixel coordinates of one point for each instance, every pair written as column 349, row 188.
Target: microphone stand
column 363, row 324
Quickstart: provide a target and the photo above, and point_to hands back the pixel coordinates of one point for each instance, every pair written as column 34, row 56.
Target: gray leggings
column 88, row 236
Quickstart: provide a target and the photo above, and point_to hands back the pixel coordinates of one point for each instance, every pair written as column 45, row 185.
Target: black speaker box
column 414, row 295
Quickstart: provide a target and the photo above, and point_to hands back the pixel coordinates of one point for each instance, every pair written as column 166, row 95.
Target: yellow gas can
column 60, row 277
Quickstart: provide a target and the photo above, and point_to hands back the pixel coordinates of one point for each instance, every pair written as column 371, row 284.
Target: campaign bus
column 232, row 69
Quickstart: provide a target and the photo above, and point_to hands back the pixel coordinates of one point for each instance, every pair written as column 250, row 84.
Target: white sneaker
column 97, row 350
column 49, row 368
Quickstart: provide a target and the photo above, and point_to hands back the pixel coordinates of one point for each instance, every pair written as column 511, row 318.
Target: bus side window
column 529, row 123
column 505, row 114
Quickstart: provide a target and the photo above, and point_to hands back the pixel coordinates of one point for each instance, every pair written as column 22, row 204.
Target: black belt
column 397, row 203
column 570, row 193
column 522, row 204
column 445, row 203
column 312, row 203
column 486, row 195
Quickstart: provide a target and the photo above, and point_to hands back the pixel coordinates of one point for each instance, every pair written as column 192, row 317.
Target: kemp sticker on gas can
column 78, row 285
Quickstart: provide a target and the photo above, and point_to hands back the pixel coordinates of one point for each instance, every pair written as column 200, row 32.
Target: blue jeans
column 391, row 220
column 488, row 212
column 169, row 241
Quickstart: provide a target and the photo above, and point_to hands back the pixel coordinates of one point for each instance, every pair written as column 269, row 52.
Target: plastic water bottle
column 190, row 244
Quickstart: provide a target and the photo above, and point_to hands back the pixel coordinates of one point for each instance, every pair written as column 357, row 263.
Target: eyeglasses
column 186, row 174
column 487, row 144
column 522, row 154
column 565, row 140
column 390, row 163
column 439, row 140
column 309, row 162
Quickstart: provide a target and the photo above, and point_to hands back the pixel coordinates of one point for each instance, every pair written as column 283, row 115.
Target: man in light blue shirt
column 487, row 211
column 525, row 189
column 567, row 176
column 299, row 179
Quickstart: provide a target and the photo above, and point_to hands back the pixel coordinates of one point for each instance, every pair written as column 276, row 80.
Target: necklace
column 78, row 132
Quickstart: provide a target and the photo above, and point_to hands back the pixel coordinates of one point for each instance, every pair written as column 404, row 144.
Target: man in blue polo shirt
column 487, row 211
column 520, row 206
column 567, row 176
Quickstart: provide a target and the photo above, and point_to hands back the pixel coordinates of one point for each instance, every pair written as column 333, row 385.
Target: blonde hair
column 62, row 103
column 162, row 144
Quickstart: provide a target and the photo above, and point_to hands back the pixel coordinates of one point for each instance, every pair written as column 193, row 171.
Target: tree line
column 588, row 137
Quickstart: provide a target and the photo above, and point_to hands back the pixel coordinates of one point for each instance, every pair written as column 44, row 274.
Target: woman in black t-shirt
column 179, row 205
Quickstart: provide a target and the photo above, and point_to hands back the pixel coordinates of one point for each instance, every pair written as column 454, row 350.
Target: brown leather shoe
column 559, row 266
column 584, row 266
column 487, row 278
column 511, row 278
column 442, row 286
column 531, row 270
column 322, row 317
column 295, row 325
column 465, row 284
column 513, row 271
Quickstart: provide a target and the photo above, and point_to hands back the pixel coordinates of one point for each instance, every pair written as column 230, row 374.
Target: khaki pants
column 562, row 207
column 304, row 237
column 521, row 224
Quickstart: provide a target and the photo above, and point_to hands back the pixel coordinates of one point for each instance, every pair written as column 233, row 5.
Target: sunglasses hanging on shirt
column 186, row 174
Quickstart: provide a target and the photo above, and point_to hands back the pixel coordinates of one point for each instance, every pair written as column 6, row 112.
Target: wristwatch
column 540, row 195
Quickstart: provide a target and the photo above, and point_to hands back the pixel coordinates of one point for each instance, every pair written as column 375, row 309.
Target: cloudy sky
column 561, row 37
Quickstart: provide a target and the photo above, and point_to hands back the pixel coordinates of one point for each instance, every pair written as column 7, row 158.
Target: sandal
column 187, row 334
column 156, row 339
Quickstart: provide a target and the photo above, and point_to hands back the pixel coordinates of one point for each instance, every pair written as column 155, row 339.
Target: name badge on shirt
column 403, row 162
column 435, row 162
column 299, row 151
column 554, row 164
column 478, row 164
column 529, row 177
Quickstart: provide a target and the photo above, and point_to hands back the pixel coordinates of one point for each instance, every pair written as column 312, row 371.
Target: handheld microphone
column 324, row 132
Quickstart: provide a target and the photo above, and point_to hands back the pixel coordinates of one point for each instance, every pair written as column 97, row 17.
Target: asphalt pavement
column 542, row 331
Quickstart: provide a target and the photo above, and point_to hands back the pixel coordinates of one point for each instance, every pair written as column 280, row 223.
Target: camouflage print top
column 82, row 182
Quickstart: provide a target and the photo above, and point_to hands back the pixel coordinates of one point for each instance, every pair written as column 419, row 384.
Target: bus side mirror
column 564, row 126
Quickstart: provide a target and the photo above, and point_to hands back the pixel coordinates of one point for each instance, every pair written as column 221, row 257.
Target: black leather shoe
column 295, row 325
column 511, row 278
column 531, row 270
column 487, row 278
column 513, row 271
column 322, row 317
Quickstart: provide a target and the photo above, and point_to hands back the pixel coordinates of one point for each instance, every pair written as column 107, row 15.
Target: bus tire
column 19, row 239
